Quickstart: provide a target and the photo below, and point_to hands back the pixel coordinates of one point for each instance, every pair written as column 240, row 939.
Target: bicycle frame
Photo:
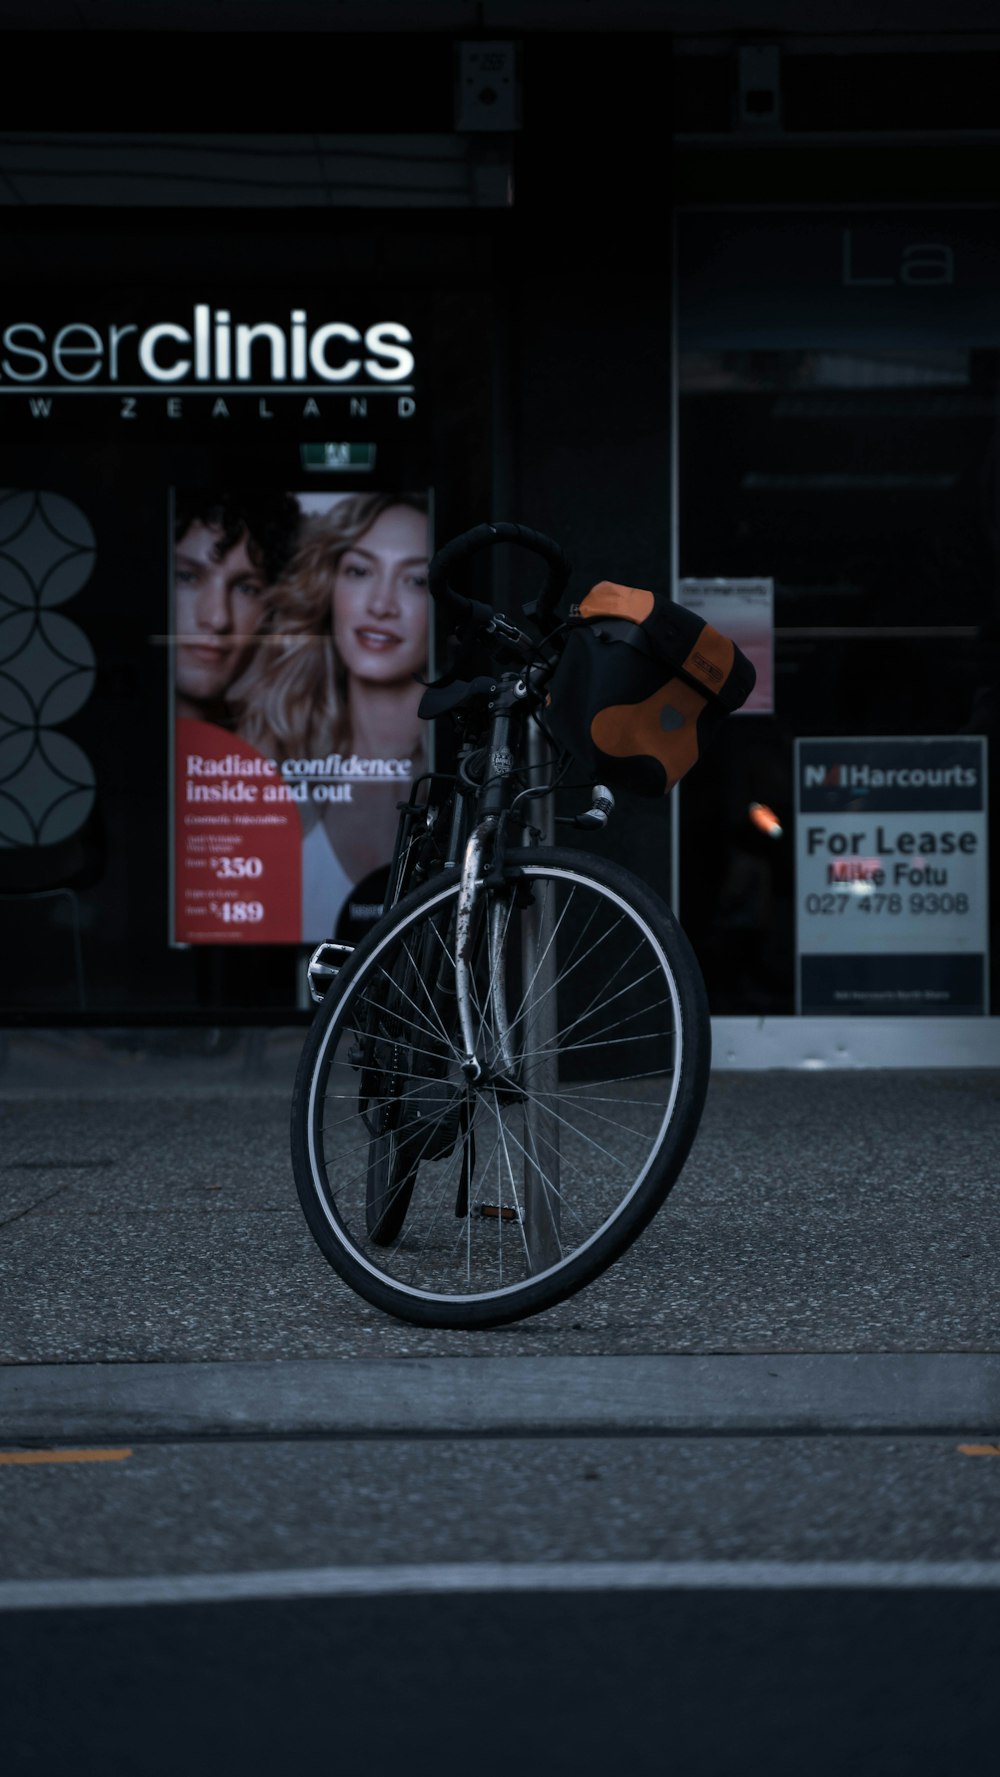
column 512, row 751
column 472, row 813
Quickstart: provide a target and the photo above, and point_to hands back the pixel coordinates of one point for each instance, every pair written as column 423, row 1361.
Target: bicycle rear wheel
column 501, row 1195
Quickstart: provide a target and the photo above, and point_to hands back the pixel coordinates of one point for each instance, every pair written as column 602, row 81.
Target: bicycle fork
column 535, row 1080
column 470, row 891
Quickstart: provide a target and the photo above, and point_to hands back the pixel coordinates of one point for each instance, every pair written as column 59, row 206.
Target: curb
column 928, row 1393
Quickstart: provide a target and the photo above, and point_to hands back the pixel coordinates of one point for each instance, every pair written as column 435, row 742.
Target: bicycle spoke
column 613, row 1122
column 513, row 1189
column 591, row 1141
column 550, row 1185
column 638, row 1012
column 581, row 1048
column 590, row 1086
column 528, row 998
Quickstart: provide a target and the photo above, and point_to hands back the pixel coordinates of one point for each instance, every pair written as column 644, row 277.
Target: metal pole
column 540, row 1072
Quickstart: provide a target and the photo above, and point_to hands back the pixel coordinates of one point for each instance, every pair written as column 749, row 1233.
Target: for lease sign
column 891, row 875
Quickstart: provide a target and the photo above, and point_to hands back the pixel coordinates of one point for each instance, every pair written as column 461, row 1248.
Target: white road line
column 466, row 1577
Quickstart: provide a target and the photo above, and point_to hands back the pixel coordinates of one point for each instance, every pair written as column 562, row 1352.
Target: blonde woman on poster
column 333, row 698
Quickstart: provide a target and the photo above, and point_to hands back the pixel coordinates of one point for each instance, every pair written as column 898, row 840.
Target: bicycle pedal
column 499, row 1212
column 326, row 961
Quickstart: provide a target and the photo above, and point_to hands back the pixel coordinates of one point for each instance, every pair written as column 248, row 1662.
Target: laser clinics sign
column 206, row 362
column 891, row 876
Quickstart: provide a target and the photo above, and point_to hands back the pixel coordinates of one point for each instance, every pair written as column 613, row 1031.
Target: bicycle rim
column 523, row 1184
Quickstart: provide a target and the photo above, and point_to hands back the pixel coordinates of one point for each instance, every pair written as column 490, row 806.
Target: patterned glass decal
column 47, row 668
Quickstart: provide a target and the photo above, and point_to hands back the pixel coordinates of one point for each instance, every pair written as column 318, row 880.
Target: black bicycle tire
column 552, row 1287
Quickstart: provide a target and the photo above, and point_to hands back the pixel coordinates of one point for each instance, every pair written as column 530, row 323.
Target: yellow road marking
column 10, row 1457
column 980, row 1449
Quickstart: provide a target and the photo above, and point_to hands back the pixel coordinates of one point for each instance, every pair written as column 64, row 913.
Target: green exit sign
column 354, row 457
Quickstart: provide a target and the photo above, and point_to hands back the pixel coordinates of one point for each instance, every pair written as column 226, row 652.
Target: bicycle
column 503, row 1079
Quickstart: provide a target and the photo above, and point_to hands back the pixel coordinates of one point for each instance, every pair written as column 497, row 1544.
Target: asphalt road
column 705, row 1683
column 710, row 1604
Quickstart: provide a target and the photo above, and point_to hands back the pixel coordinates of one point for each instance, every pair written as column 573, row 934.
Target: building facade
column 719, row 314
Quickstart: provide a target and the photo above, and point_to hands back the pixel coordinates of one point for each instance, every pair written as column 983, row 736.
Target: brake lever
column 512, row 641
column 498, row 625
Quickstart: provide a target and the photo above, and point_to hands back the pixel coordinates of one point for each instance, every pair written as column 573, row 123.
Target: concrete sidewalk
column 148, row 1216
column 125, row 1062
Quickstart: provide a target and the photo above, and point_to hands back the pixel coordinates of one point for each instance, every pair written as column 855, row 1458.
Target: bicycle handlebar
column 486, row 536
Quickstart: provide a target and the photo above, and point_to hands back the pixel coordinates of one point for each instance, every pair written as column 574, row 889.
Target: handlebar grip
column 486, row 536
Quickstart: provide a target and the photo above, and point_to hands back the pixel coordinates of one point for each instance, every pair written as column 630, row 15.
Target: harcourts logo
column 205, row 349
column 862, row 776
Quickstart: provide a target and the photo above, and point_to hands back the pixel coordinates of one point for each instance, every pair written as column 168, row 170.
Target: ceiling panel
column 782, row 18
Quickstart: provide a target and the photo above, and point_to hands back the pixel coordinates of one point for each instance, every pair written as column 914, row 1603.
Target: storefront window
column 838, row 381
column 217, row 503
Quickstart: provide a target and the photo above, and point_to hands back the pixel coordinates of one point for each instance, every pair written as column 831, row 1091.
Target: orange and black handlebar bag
column 641, row 687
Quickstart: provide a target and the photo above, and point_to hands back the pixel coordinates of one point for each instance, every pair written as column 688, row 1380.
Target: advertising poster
column 744, row 611
column 300, row 629
column 891, row 876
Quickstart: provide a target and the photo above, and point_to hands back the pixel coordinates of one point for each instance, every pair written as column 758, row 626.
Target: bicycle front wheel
column 458, row 1190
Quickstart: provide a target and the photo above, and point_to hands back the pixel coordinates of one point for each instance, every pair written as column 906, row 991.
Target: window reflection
column 866, row 482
